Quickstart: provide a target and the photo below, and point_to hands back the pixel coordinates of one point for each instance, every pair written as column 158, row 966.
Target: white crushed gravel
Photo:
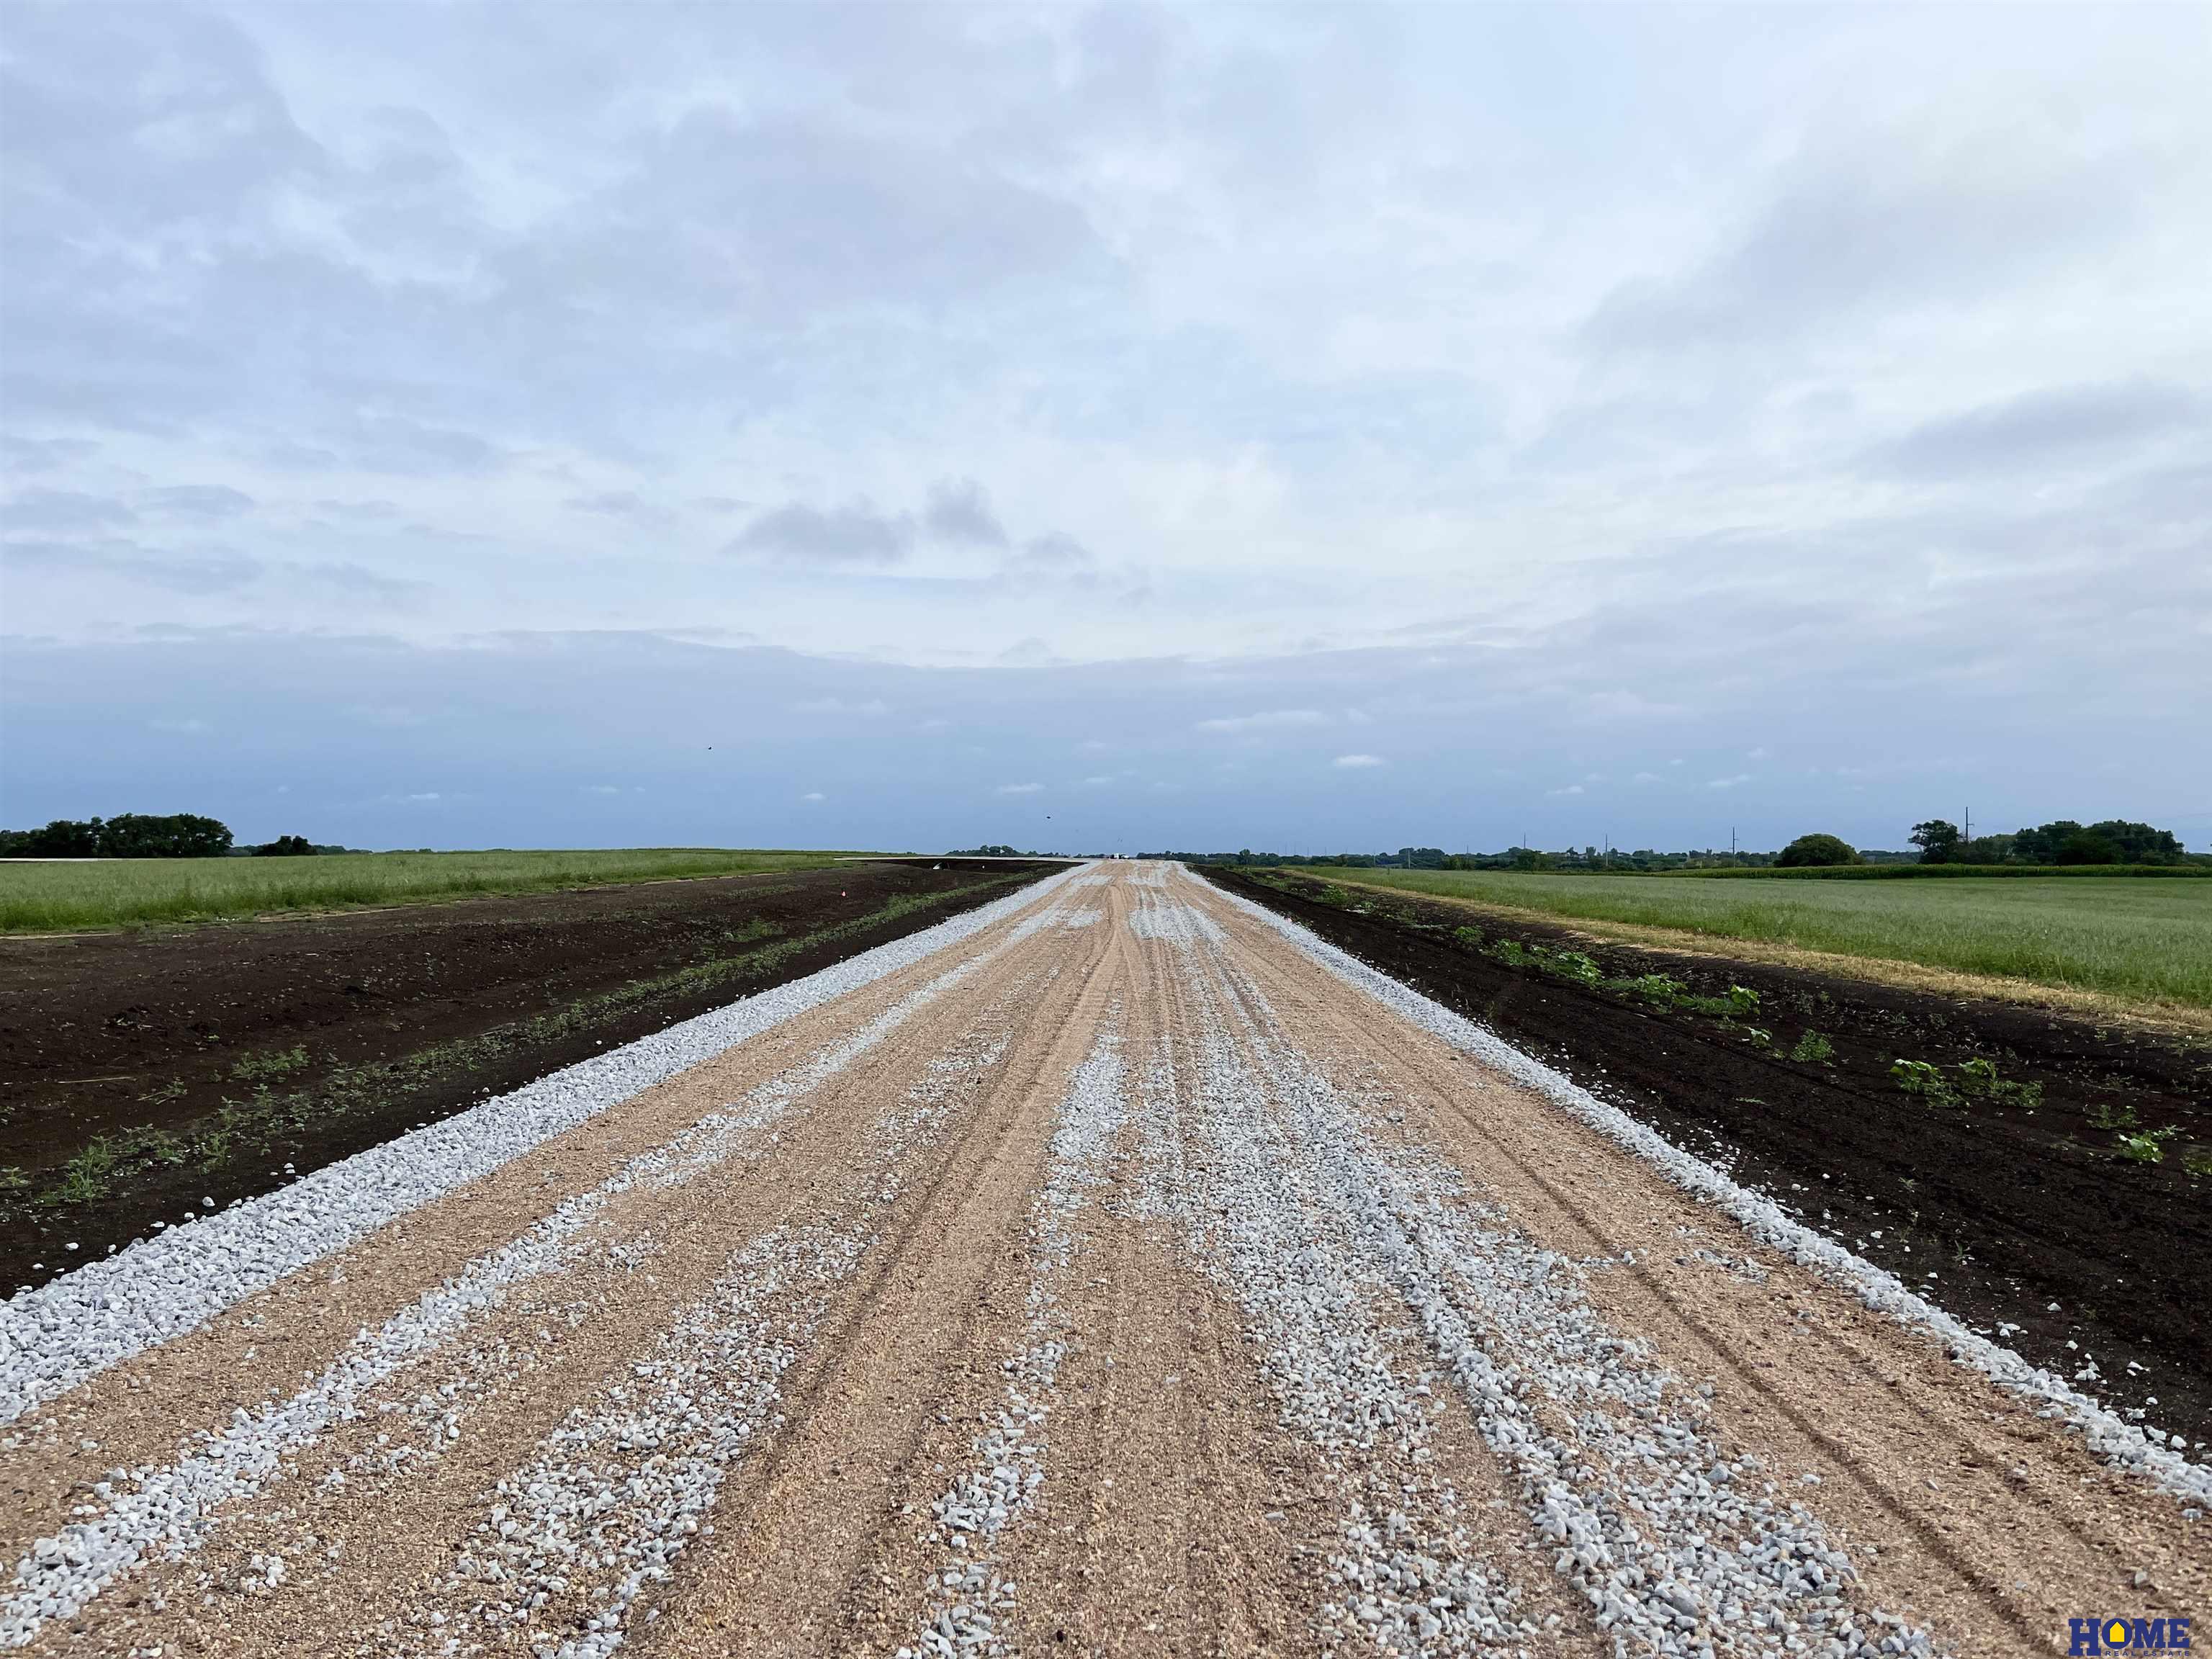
column 972, row 1592
column 573, row 1539
column 1230, row 1171
column 168, row 1509
column 2138, row 1449
column 1674, row 1539
column 1158, row 916
column 55, row 1336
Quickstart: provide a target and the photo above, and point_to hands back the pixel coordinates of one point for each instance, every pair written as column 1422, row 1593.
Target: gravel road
column 1115, row 1269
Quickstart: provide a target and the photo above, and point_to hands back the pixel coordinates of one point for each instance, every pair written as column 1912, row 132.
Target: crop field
column 40, row 898
column 1113, row 1268
column 2144, row 939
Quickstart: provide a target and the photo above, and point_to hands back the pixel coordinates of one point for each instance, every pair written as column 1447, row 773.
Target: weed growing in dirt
column 2145, row 1147
column 255, row 1068
column 1979, row 1078
column 2198, row 1160
column 1923, row 1078
column 1974, row 1080
column 1812, row 1050
column 87, row 1177
column 2106, row 1115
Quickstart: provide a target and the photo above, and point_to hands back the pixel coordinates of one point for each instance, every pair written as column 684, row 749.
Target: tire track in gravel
column 1243, row 1180
column 833, row 1544
column 426, row 1506
column 1612, row 1498
column 1160, row 1526
column 1964, row 1556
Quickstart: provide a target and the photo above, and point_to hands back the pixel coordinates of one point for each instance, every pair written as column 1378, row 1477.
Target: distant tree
column 177, row 835
column 2087, row 847
column 1985, row 849
column 2138, row 843
column 1421, row 858
column 65, row 838
column 286, row 846
column 1937, row 840
column 1809, row 851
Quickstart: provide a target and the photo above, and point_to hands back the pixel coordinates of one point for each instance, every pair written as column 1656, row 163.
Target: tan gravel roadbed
column 1117, row 1279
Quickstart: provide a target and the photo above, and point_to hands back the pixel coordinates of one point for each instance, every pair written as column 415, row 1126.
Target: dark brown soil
column 143, row 1073
column 2005, row 1208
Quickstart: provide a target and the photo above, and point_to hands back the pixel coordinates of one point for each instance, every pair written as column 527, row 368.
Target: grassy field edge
column 2168, row 995
column 107, row 894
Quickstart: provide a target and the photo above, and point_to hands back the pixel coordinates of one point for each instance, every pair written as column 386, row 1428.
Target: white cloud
column 813, row 794
column 1729, row 782
column 883, row 349
column 1267, row 720
column 1356, row 763
column 1572, row 789
column 1018, row 788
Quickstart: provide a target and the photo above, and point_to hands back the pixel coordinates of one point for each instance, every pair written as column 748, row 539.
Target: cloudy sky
column 1113, row 427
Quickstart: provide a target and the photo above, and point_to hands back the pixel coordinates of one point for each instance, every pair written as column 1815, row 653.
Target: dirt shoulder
column 144, row 1074
column 2007, row 1202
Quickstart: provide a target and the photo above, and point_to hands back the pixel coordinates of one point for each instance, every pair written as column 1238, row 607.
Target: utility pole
column 1970, row 825
column 1731, row 843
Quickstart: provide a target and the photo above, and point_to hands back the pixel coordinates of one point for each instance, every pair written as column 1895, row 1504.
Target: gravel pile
column 55, row 1336
column 2142, row 1450
column 972, row 1592
column 166, row 1509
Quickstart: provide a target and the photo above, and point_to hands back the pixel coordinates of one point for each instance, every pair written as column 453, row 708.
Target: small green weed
column 1759, row 1038
column 1742, row 1000
column 1925, row 1079
column 1978, row 1077
column 1812, row 1050
column 282, row 1063
column 2146, row 1146
column 2104, row 1115
column 1661, row 990
column 2198, row 1160
column 1470, row 937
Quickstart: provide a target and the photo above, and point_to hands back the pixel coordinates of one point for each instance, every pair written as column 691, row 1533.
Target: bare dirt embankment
column 143, row 1073
column 2006, row 1204
column 1109, row 1271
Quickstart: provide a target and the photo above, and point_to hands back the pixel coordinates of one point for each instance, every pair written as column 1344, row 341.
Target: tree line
column 143, row 835
column 2115, row 840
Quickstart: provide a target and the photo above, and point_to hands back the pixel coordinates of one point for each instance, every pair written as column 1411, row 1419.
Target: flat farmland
column 2137, row 939
column 1115, row 1268
column 65, row 896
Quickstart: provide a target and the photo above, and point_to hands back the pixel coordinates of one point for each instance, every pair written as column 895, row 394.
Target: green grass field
column 128, row 892
column 2139, row 939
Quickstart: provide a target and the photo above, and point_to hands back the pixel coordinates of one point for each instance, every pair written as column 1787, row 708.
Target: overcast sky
column 1106, row 428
